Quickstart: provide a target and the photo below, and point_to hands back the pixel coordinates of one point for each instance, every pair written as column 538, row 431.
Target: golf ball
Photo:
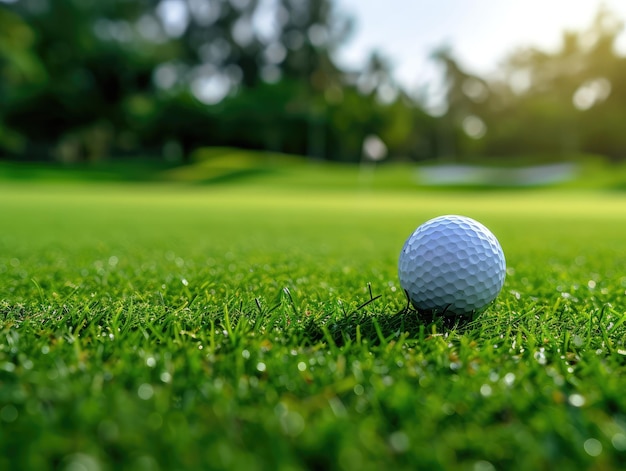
column 451, row 265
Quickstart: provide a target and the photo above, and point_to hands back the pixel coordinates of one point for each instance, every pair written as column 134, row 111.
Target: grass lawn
column 257, row 326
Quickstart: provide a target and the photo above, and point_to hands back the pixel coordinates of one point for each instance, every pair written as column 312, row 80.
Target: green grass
column 260, row 325
column 227, row 166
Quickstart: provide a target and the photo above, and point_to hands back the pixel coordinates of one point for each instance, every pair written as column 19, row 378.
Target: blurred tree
column 166, row 76
column 96, row 62
column 462, row 126
column 372, row 103
column 600, row 98
column 557, row 103
column 259, row 65
column 21, row 75
column 81, row 80
column 307, row 34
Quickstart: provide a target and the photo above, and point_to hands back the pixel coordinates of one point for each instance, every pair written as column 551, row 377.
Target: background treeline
column 86, row 80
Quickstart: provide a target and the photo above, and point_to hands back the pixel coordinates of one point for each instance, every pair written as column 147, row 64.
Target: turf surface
column 256, row 326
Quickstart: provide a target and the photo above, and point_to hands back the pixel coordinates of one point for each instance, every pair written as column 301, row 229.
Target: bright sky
column 481, row 32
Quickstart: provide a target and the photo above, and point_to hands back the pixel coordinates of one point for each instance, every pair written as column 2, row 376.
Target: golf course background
column 85, row 81
column 258, row 323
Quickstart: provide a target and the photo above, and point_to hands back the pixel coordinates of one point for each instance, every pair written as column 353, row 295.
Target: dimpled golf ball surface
column 452, row 265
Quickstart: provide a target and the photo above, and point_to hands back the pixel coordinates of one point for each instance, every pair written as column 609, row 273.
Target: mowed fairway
column 262, row 327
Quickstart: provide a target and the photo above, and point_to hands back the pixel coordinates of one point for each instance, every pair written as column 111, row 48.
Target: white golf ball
column 451, row 265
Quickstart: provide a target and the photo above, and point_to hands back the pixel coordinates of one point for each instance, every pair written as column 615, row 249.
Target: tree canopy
column 84, row 80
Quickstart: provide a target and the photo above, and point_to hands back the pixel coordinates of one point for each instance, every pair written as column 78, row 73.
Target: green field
column 257, row 323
